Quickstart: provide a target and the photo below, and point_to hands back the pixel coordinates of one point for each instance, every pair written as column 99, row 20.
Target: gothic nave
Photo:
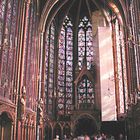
column 69, row 67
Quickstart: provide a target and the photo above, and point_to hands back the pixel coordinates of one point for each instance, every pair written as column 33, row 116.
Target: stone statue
column 40, row 110
column 22, row 101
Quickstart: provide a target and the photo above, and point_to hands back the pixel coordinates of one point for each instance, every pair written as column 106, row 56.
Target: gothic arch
column 83, row 115
column 57, row 130
column 10, row 114
column 48, row 130
column 66, row 129
column 51, row 4
column 50, row 10
column 87, row 119
column 6, row 125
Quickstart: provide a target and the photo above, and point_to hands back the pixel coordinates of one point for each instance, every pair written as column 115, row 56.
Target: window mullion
column 65, row 71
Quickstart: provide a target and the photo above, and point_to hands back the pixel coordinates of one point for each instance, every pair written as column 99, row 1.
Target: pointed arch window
column 85, row 46
column 49, row 86
column 85, row 51
column 65, row 63
column 6, row 35
column 86, row 91
column 8, row 21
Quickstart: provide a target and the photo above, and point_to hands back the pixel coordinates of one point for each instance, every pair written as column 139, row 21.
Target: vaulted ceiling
column 77, row 9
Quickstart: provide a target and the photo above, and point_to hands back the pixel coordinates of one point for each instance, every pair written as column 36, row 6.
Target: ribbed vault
column 62, row 7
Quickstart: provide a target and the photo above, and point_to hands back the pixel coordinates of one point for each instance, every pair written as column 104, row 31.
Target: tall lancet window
column 49, row 86
column 65, row 63
column 85, row 53
column 2, row 13
column 8, row 17
column 85, row 46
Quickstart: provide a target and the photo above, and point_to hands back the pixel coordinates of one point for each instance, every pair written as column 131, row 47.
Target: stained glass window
column 85, row 46
column 2, row 19
column 65, row 64
column 89, row 48
column 12, row 43
column 86, row 91
column 2, row 13
column 8, row 21
column 6, row 9
column 81, row 47
column 85, row 49
column 7, row 32
column 49, row 43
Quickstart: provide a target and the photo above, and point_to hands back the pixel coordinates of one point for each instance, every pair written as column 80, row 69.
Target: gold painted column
column 39, row 134
column 21, row 54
